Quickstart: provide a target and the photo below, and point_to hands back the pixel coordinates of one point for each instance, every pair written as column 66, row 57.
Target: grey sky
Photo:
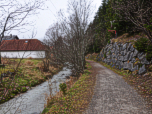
column 47, row 17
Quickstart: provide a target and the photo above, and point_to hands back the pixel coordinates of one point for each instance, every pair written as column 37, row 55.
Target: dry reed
column 30, row 63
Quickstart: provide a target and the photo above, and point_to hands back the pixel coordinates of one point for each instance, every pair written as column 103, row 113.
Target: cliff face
column 124, row 56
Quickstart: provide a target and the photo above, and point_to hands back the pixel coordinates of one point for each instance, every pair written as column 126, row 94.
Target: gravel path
column 112, row 95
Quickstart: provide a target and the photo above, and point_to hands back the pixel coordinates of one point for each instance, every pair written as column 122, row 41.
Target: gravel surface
column 112, row 95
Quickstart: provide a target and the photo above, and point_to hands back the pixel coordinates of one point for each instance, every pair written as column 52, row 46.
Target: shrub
column 141, row 44
column 29, row 63
column 32, row 84
column 149, row 53
column 63, row 87
column 40, row 64
column 30, row 58
column 15, row 91
column 18, row 88
column 109, row 42
column 12, row 95
column 24, row 82
column 104, row 55
column 24, row 89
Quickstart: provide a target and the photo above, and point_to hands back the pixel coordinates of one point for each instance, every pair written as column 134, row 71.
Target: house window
column 26, row 41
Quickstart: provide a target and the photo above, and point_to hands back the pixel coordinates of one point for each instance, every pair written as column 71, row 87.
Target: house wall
column 20, row 54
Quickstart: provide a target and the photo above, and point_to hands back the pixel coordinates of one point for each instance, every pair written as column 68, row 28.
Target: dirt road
column 112, row 95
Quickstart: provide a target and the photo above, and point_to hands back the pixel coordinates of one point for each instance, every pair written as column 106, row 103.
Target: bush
column 15, row 91
column 33, row 83
column 12, row 95
column 109, row 42
column 29, row 63
column 24, row 89
column 141, row 44
column 30, row 58
column 22, row 82
column 18, row 88
column 149, row 53
column 63, row 87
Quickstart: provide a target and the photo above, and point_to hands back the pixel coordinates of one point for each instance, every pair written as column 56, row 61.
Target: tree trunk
column 0, row 58
column 0, row 53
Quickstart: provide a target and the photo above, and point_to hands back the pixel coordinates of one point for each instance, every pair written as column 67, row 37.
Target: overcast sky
column 47, row 17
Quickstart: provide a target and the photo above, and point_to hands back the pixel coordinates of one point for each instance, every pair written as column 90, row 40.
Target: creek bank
column 79, row 94
column 24, row 88
column 33, row 100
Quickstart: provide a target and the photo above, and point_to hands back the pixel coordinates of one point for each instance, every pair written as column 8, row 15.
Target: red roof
column 22, row 45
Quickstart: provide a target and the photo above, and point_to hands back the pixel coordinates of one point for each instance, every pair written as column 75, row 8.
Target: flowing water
column 32, row 102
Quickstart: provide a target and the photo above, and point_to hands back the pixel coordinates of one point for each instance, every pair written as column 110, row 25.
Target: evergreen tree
column 101, row 24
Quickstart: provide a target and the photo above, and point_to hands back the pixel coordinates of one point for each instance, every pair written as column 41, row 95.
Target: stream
column 32, row 101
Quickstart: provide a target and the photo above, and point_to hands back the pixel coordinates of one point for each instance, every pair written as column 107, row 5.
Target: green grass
column 24, row 60
column 47, row 108
column 4, row 70
column 28, row 79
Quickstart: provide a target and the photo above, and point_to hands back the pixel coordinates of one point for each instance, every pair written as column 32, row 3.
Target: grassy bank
column 141, row 83
column 28, row 75
column 78, row 95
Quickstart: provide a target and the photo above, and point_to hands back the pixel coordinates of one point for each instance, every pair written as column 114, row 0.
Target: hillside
column 129, row 38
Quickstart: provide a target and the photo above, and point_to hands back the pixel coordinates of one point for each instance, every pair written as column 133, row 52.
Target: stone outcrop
column 124, row 56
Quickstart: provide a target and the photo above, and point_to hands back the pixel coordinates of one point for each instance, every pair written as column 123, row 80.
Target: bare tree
column 56, row 42
column 68, row 37
column 14, row 15
column 139, row 12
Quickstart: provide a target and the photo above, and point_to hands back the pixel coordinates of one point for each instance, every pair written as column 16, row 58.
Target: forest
column 120, row 16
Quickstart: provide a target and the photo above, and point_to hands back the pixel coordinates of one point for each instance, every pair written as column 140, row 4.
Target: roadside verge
column 142, row 84
column 79, row 94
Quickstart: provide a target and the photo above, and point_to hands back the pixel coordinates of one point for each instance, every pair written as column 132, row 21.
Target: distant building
column 23, row 48
column 11, row 37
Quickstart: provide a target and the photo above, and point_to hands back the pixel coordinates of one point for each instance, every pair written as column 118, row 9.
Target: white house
column 18, row 48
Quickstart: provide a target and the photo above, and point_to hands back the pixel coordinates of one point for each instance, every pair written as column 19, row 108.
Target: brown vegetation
column 126, row 38
column 79, row 94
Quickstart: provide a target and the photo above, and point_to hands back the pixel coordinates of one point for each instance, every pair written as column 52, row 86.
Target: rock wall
column 124, row 56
